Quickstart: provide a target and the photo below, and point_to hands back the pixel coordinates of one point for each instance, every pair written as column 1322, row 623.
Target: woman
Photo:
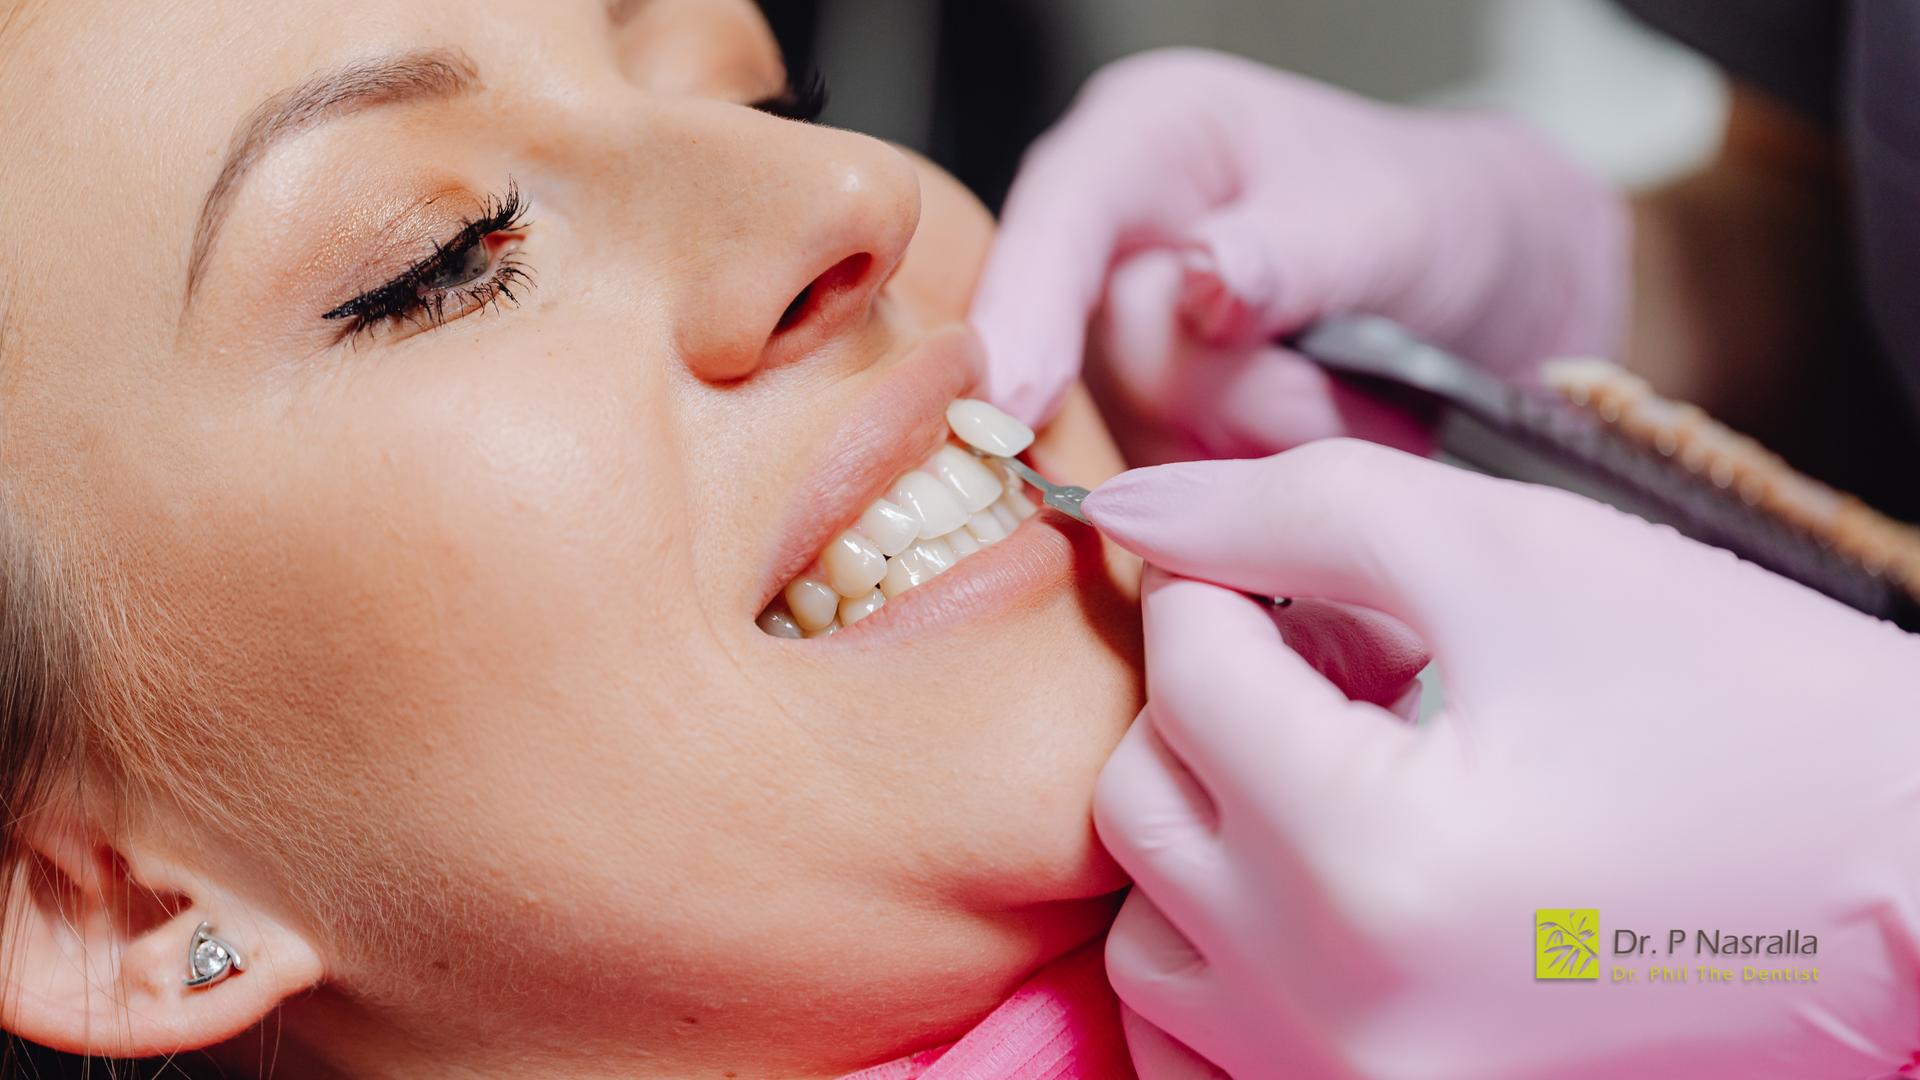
column 408, row 411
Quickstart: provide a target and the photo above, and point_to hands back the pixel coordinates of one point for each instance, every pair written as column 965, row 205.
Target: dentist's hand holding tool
column 1635, row 723
column 1216, row 205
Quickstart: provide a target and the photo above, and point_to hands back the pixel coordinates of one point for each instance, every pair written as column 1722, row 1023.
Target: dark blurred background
column 971, row 82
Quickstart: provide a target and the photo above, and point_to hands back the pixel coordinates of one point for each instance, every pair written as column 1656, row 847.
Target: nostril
column 839, row 278
column 794, row 310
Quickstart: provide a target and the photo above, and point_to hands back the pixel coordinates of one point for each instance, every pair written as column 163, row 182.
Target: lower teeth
column 884, row 554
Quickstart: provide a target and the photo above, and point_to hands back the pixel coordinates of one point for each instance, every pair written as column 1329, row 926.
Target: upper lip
column 894, row 427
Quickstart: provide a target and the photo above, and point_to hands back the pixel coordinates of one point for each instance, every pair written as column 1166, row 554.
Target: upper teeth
column 930, row 519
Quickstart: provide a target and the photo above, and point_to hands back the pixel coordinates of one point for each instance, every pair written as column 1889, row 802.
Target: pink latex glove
column 1234, row 203
column 1635, row 723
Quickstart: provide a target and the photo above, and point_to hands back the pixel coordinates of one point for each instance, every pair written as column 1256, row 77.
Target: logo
column 1566, row 943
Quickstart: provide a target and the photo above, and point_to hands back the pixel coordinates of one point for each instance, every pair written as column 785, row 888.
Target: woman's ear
column 96, row 952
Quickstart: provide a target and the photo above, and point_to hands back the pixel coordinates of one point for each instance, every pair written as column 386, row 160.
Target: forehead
column 126, row 110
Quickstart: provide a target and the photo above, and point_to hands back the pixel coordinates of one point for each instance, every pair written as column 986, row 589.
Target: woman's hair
column 43, row 671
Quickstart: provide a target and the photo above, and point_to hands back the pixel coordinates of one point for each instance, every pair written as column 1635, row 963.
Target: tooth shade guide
column 987, row 429
column 1735, row 462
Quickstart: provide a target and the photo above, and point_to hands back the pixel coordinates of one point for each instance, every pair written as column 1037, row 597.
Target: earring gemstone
column 210, row 959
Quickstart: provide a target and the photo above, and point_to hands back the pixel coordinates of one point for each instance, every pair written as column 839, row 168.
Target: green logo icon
column 1566, row 943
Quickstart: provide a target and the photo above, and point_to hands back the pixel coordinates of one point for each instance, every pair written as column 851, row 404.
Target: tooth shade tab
column 987, row 429
column 853, row 565
column 935, row 508
column 890, row 528
column 971, row 482
column 813, row 603
column 855, row 608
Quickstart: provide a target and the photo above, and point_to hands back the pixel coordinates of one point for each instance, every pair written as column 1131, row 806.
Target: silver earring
column 209, row 959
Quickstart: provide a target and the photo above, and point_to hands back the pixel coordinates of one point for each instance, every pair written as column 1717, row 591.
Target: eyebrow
column 328, row 96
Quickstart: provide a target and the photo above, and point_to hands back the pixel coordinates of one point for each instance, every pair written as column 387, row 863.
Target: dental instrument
column 1062, row 497
column 997, row 437
column 1719, row 488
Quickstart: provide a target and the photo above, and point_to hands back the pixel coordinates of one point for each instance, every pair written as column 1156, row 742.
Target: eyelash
column 413, row 296
column 804, row 102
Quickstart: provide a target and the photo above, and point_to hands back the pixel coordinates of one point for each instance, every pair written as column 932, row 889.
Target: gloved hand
column 1241, row 203
column 1635, row 723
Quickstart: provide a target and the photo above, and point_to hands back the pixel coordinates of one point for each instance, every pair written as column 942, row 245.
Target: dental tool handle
column 1498, row 428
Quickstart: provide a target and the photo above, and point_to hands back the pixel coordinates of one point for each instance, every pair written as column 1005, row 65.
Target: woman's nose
column 802, row 226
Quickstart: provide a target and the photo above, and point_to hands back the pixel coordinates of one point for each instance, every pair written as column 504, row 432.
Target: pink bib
column 1063, row 1024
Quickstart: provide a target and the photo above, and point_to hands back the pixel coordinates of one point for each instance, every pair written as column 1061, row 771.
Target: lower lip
column 1044, row 554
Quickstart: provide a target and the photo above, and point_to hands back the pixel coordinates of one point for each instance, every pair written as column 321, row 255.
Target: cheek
column 936, row 279
column 441, row 583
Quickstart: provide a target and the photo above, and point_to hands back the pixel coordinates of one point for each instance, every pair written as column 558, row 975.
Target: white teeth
column 929, row 501
column 905, row 570
column 987, row 429
column 902, row 576
column 934, row 516
column 935, row 553
column 813, row 603
column 890, row 528
column 854, row 566
column 855, row 608
column 971, row 482
column 986, row 528
column 779, row 624
column 1018, row 503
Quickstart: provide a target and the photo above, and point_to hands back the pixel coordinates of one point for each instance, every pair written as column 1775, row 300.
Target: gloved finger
column 1142, row 342
column 1158, row 973
column 1152, row 815
column 1127, row 169
column 1342, row 520
column 1259, row 401
column 1265, row 735
column 1256, row 273
column 1159, row 1056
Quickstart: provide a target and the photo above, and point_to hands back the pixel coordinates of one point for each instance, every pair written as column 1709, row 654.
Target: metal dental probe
column 1064, row 498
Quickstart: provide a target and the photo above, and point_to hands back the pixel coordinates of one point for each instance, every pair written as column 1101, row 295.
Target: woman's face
column 449, row 613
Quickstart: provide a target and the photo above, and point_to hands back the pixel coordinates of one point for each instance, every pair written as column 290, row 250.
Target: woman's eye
column 462, row 269
column 474, row 270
